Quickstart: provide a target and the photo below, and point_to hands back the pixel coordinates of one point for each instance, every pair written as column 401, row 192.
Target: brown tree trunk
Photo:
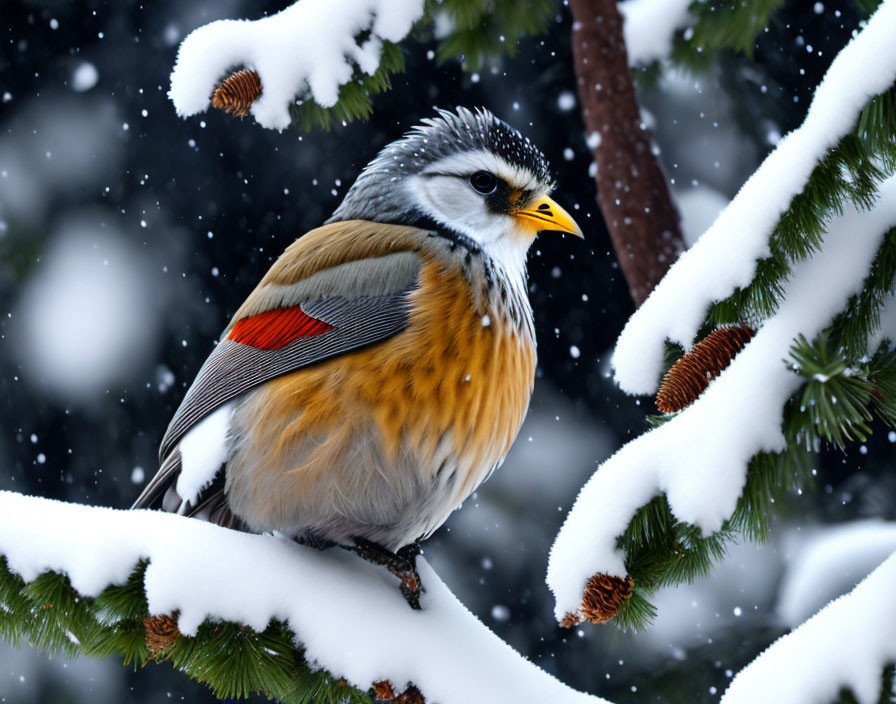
column 631, row 189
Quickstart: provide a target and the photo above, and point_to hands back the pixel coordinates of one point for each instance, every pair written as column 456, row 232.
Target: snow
column 566, row 101
column 847, row 644
column 203, row 450
column 84, row 77
column 699, row 458
column 349, row 615
column 830, row 564
column 725, row 256
column 308, row 49
column 650, row 27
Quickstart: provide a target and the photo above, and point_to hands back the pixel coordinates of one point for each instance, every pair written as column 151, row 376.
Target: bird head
column 468, row 172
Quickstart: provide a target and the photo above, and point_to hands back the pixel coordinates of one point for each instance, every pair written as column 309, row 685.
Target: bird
column 382, row 367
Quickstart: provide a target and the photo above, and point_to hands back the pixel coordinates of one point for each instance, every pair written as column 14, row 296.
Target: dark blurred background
column 128, row 237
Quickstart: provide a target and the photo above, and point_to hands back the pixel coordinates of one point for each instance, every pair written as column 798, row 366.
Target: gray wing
column 348, row 323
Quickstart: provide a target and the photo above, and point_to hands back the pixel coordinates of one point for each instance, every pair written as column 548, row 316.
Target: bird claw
column 400, row 563
column 412, row 595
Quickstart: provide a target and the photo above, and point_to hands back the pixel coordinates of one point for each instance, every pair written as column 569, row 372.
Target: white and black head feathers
column 457, row 143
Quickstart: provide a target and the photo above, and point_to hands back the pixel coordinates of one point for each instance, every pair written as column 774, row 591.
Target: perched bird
column 382, row 368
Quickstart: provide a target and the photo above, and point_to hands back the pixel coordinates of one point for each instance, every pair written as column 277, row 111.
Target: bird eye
column 484, row 182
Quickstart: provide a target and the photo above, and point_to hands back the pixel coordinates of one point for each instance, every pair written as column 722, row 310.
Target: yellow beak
column 545, row 214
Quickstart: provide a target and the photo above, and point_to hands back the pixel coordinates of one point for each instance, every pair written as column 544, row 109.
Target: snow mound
column 309, row 49
column 699, row 458
column 725, row 257
column 348, row 614
column 846, row 644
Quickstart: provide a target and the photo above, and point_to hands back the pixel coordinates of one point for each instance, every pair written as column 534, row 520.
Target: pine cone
column 604, row 596
column 384, row 693
column 237, row 92
column 161, row 632
column 690, row 375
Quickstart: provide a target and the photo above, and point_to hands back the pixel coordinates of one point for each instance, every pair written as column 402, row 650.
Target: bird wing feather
column 298, row 316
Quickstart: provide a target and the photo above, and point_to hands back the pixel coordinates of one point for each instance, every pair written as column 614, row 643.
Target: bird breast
column 462, row 370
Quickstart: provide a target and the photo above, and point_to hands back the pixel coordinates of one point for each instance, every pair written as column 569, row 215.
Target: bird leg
column 410, row 553
column 402, row 564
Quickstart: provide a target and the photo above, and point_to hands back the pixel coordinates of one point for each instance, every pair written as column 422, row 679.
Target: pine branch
column 849, row 173
column 473, row 32
column 355, row 101
column 353, row 62
column 843, row 392
column 233, row 660
column 355, row 97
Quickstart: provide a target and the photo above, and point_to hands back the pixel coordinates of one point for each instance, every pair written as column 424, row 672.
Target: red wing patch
column 275, row 328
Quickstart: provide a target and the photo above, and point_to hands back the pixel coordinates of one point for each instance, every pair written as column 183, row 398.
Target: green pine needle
column 732, row 26
column 866, row 7
column 480, row 31
column 887, row 690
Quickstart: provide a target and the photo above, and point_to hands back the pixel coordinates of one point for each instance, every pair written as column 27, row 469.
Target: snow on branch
column 844, row 646
column 699, row 458
column 650, row 27
column 725, row 257
column 347, row 616
column 309, row 49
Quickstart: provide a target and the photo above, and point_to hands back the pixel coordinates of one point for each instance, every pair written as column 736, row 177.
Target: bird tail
column 159, row 484
column 211, row 505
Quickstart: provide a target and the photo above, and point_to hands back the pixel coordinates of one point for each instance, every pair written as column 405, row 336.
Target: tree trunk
column 631, row 189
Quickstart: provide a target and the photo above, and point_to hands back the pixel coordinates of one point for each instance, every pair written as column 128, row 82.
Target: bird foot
column 402, row 564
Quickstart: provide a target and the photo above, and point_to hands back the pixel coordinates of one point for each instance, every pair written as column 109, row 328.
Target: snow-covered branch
column 347, row 615
column 846, row 645
column 309, row 49
column 699, row 458
column 725, row 257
